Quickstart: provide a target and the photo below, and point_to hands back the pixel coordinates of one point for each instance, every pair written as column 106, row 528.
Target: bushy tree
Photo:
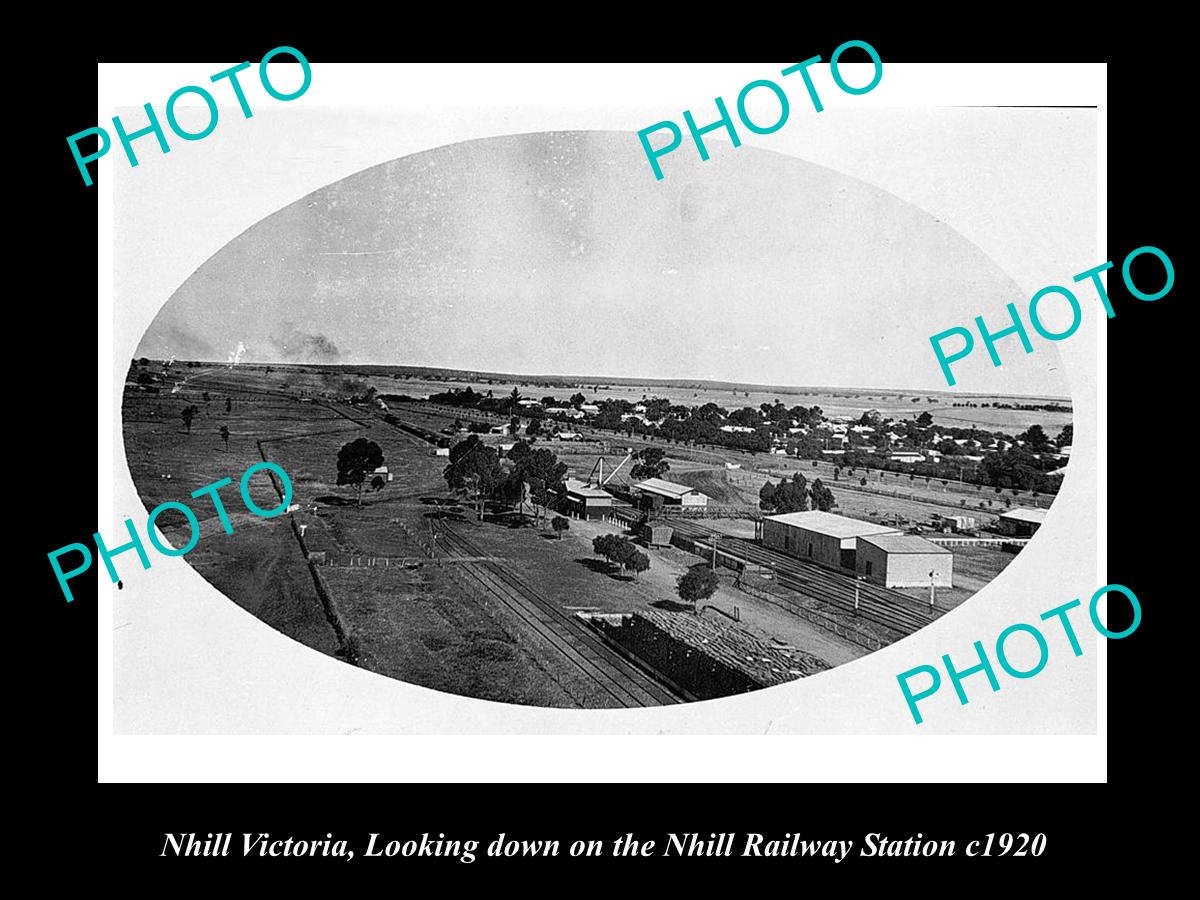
column 766, row 495
column 1035, row 439
column 560, row 524
column 355, row 461
column 650, row 463
column 225, row 435
column 636, row 561
column 822, row 497
column 696, row 584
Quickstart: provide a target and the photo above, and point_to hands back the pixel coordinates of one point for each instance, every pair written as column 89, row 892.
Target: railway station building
column 672, row 494
column 903, row 561
column 585, row 501
column 822, row 537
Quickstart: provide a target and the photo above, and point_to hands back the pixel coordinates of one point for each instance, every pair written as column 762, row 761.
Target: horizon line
column 580, row 379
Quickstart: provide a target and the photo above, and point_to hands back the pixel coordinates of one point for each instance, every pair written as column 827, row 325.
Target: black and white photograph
column 536, row 442
column 561, row 435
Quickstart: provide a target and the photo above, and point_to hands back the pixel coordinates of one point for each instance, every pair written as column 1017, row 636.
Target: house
column 383, row 472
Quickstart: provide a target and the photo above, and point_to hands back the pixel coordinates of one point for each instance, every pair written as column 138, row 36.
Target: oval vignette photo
column 559, row 434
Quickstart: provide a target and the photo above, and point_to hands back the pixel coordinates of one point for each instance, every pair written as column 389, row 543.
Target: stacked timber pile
column 736, row 648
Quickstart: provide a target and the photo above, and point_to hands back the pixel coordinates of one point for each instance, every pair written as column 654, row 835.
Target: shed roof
column 831, row 524
column 1021, row 514
column 583, row 489
column 902, row 543
column 669, row 488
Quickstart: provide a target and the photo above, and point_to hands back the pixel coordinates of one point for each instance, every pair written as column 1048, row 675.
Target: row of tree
column 621, row 552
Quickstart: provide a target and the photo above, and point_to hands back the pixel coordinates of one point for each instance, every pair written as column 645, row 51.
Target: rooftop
column 903, row 543
column 660, row 486
column 832, row 524
column 583, row 489
column 1025, row 515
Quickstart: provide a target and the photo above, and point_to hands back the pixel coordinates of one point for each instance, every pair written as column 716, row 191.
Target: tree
column 822, row 497
column 377, row 483
column 559, row 524
column 863, row 482
column 534, row 428
column 225, row 436
column 577, row 400
column 514, row 400
column 766, row 495
column 608, row 546
column 355, row 461
column 1066, row 436
column 1035, row 439
column 474, row 464
column 790, row 496
column 637, row 561
column 188, row 413
column 651, row 463
column 514, row 426
column 539, row 469
column 205, row 397
column 228, row 404
column 924, row 420
column 696, row 584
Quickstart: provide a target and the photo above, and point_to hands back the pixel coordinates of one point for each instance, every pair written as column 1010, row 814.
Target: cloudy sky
column 557, row 253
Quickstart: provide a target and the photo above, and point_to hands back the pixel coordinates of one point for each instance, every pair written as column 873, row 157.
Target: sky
column 556, row 252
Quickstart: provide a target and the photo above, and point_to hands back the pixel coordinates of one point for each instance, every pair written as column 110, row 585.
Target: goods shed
column 822, row 537
column 903, row 561
column 673, row 494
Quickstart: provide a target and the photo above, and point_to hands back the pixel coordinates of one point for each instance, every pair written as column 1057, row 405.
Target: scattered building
column 673, row 494
column 383, row 472
column 903, row 561
column 1021, row 522
column 822, row 537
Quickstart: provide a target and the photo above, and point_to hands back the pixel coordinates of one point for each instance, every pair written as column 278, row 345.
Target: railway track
column 612, row 674
column 891, row 609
